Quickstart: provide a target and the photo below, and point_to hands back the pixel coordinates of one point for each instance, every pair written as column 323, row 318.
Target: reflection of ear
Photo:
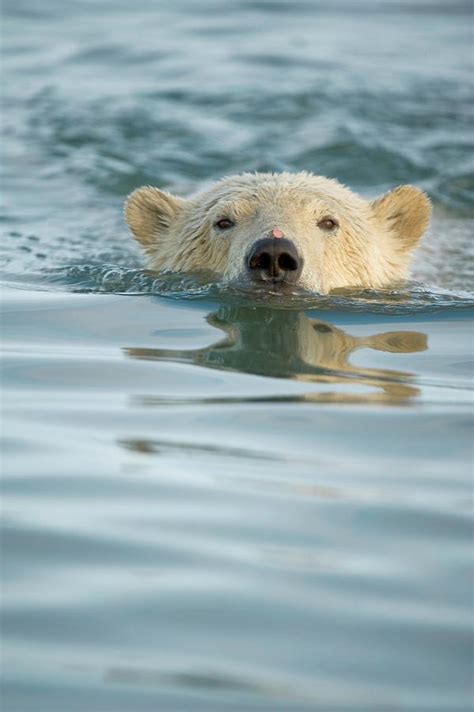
column 402, row 342
column 150, row 212
column 405, row 212
column 146, row 354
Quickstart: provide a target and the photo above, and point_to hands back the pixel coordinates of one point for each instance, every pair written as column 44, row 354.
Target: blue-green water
column 214, row 502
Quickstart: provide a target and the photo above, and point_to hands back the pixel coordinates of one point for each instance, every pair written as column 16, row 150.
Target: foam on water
column 409, row 298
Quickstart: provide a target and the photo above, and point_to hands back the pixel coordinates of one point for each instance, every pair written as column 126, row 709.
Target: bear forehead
column 279, row 187
column 280, row 196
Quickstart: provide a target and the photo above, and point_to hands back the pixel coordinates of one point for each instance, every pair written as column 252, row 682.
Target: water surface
column 213, row 501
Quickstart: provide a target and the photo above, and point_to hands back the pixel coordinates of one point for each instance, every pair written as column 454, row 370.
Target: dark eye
column 224, row 224
column 328, row 224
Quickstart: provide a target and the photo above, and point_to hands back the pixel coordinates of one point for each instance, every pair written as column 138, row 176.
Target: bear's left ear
column 405, row 212
column 150, row 212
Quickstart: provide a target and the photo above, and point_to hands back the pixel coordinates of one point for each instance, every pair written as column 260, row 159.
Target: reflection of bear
column 289, row 344
column 282, row 231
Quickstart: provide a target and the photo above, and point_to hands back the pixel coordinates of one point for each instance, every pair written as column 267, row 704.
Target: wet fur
column 372, row 246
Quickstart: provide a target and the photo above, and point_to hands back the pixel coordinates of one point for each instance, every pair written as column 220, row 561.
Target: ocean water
column 213, row 500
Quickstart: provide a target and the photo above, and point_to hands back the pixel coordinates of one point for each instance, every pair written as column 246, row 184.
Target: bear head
column 282, row 231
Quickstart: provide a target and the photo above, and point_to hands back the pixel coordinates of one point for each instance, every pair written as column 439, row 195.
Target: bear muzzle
column 274, row 260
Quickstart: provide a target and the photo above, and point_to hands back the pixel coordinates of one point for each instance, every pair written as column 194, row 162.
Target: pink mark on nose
column 276, row 232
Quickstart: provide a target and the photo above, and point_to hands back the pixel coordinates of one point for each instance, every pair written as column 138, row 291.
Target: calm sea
column 213, row 503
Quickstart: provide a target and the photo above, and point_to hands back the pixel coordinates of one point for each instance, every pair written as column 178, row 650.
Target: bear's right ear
column 150, row 212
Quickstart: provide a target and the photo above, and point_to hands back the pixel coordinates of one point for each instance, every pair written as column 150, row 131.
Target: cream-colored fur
column 371, row 246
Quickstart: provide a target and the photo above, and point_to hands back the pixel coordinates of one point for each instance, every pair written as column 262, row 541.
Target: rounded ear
column 405, row 212
column 150, row 212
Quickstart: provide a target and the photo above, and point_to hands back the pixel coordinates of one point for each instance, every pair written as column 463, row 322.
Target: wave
column 409, row 298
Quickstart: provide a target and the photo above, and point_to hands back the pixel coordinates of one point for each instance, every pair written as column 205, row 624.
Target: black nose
column 275, row 260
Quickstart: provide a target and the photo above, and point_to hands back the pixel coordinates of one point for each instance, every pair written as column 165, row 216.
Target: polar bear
column 282, row 231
